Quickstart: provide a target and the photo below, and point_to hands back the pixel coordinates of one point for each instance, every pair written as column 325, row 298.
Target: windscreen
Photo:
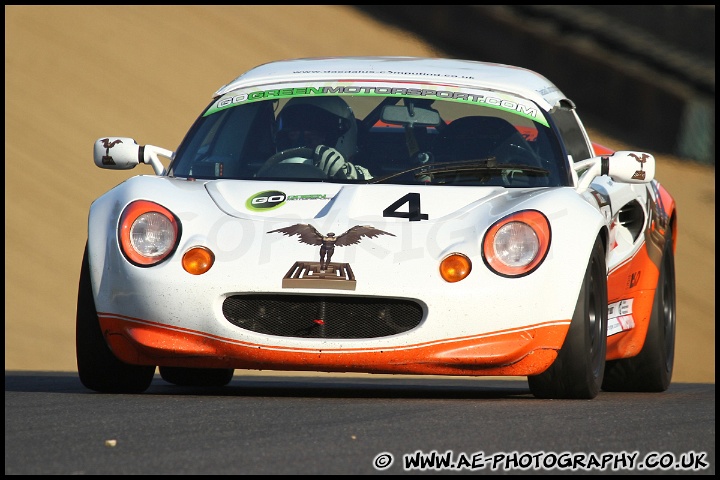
column 377, row 133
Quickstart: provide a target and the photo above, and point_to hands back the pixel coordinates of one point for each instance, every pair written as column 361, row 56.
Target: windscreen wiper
column 439, row 169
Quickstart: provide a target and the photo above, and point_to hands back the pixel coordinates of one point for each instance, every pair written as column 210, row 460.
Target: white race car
column 391, row 215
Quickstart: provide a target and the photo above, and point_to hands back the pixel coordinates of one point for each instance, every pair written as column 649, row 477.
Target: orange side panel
column 517, row 352
column 637, row 280
column 629, row 343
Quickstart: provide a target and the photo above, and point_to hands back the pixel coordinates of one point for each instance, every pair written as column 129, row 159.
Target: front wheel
column 99, row 369
column 651, row 369
column 577, row 372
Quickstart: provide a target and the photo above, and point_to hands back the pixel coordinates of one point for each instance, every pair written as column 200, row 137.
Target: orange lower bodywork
column 637, row 279
column 510, row 353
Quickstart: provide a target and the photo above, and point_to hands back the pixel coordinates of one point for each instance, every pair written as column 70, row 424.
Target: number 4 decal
column 413, row 212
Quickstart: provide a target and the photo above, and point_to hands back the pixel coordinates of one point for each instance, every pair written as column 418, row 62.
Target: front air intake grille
column 322, row 317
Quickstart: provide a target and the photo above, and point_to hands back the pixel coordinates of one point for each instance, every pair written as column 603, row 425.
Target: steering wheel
column 303, row 152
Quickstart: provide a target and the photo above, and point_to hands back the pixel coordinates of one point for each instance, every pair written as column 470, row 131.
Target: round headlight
column 152, row 235
column 517, row 244
column 148, row 233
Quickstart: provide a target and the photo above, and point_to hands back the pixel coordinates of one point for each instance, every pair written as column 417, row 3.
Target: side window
column 572, row 132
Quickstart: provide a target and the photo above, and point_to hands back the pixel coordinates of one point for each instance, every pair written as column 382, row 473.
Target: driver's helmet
column 312, row 121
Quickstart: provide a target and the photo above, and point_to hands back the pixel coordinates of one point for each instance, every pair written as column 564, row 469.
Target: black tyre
column 651, row 369
column 577, row 372
column 197, row 377
column 98, row 367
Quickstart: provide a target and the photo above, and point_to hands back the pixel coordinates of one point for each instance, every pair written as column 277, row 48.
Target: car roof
column 443, row 71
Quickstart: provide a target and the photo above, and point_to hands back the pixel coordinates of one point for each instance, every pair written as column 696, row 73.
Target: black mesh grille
column 322, row 317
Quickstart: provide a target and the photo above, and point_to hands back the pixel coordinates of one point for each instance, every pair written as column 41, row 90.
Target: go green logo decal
column 264, row 201
column 272, row 199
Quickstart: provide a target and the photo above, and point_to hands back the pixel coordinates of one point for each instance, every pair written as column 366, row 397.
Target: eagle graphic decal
column 107, row 159
column 309, row 234
column 326, row 270
column 640, row 174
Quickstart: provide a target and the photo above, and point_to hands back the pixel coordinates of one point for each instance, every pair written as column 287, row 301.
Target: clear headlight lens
column 148, row 233
column 517, row 244
column 152, row 235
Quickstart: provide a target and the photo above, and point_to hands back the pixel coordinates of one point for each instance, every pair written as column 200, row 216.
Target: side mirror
column 116, row 153
column 621, row 166
column 123, row 153
column 631, row 167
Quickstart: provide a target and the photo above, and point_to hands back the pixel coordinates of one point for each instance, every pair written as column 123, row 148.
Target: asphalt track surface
column 74, row 74
column 329, row 425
